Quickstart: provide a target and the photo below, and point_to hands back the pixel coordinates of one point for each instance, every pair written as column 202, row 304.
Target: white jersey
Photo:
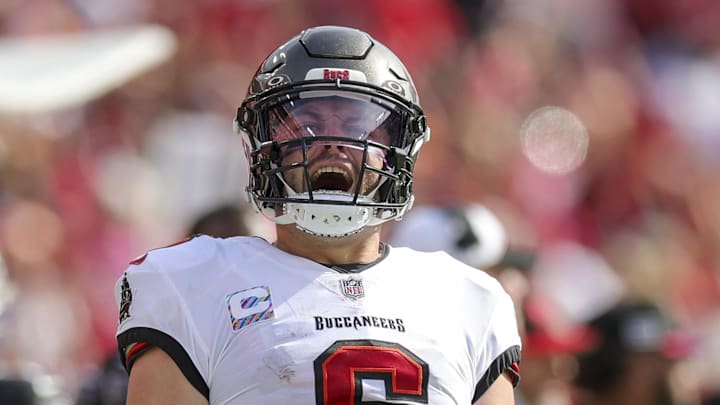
column 250, row 324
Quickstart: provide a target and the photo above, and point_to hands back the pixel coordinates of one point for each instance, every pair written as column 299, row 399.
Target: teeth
column 331, row 169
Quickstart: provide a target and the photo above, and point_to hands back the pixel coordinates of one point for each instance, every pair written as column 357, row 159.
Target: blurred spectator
column 224, row 221
column 107, row 386
column 13, row 388
column 633, row 361
column 549, row 348
column 16, row 392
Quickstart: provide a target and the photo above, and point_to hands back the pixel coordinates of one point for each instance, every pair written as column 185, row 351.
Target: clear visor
column 333, row 146
column 337, row 115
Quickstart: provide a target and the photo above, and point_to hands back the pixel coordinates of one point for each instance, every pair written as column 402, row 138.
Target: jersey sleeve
column 502, row 346
column 152, row 312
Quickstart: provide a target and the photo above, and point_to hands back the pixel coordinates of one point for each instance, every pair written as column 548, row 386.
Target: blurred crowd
column 87, row 187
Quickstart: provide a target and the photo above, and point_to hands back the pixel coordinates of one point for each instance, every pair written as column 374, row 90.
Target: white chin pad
column 330, row 220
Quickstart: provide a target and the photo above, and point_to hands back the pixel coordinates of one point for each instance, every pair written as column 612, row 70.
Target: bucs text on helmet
column 332, row 89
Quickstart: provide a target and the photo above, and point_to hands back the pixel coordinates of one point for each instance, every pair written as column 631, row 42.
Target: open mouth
column 332, row 179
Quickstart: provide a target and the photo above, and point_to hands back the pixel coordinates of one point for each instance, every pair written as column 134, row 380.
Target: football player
column 327, row 313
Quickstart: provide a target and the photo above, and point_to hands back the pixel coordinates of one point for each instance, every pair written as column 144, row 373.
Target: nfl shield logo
column 352, row 288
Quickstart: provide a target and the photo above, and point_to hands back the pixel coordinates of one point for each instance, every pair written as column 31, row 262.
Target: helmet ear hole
column 248, row 116
column 418, row 125
column 245, row 117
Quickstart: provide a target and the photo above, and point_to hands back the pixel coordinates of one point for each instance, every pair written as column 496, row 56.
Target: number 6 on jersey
column 341, row 369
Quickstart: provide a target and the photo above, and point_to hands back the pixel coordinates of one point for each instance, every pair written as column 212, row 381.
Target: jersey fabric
column 250, row 324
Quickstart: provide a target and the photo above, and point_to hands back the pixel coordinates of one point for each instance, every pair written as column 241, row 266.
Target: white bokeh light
column 554, row 140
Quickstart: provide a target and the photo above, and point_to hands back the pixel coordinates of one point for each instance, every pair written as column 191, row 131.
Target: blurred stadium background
column 115, row 135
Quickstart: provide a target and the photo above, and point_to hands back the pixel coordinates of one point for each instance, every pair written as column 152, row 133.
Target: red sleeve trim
column 514, row 373
column 139, row 260
column 506, row 363
column 166, row 343
column 136, row 349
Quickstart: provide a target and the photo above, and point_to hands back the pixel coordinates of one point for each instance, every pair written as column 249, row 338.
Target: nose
column 327, row 149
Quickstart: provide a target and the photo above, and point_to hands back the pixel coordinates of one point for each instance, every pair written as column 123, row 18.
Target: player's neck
column 362, row 247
